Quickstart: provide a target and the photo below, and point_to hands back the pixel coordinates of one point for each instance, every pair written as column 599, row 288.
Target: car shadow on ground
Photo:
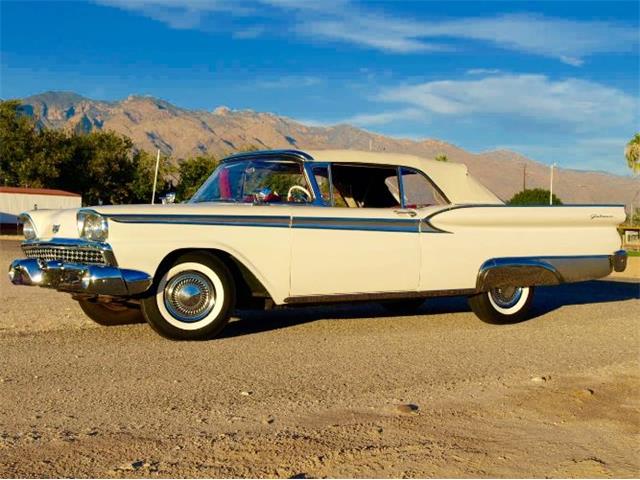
column 547, row 299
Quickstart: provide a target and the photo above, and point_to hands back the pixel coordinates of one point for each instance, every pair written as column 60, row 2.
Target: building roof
column 38, row 191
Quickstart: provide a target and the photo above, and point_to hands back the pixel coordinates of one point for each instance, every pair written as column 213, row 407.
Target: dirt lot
column 336, row 391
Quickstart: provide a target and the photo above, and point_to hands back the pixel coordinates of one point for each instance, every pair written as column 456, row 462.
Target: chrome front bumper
column 79, row 278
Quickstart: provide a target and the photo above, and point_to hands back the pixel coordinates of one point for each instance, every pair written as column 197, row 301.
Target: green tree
column 141, row 186
column 102, row 166
column 534, row 196
column 17, row 139
column 632, row 153
column 107, row 167
column 193, row 172
column 441, row 157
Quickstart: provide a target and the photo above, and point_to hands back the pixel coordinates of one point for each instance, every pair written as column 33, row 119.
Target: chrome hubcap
column 189, row 296
column 506, row 297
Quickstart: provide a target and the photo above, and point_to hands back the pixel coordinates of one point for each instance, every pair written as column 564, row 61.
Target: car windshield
column 256, row 181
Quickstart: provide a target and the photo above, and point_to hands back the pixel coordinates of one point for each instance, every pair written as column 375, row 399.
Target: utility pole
column 551, row 185
column 155, row 178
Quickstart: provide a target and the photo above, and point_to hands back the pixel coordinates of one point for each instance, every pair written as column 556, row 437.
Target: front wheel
column 503, row 305
column 192, row 299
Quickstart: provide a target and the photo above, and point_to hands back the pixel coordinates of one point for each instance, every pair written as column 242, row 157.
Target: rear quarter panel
column 475, row 234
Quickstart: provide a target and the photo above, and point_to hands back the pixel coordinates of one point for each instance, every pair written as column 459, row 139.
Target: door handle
column 408, row 212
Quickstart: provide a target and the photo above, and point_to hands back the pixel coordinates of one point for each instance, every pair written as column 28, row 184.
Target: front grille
column 66, row 254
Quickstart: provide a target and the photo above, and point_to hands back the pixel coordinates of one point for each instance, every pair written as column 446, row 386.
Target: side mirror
column 168, row 198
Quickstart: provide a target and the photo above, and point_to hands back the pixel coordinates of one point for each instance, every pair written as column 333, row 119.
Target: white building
column 15, row 200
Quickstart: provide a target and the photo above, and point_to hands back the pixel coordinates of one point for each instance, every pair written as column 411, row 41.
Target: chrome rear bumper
column 79, row 278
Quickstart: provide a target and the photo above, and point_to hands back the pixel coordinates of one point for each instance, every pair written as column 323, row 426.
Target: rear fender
column 534, row 271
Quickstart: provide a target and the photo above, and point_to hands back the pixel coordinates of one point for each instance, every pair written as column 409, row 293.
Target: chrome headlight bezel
column 92, row 226
column 28, row 227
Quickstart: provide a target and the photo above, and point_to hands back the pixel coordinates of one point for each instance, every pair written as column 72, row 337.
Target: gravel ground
column 335, row 391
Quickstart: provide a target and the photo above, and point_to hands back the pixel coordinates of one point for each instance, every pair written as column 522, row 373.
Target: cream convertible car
column 292, row 228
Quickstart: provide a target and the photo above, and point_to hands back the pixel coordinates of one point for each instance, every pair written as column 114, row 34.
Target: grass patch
column 632, row 253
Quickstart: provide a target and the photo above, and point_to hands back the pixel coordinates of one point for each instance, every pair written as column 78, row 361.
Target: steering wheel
column 291, row 198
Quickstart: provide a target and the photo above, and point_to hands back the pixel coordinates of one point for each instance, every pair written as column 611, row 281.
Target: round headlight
column 92, row 226
column 28, row 228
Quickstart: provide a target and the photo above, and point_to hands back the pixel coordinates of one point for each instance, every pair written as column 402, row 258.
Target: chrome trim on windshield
column 293, row 154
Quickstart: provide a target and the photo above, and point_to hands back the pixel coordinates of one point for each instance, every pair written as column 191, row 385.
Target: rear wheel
column 111, row 314
column 192, row 299
column 503, row 305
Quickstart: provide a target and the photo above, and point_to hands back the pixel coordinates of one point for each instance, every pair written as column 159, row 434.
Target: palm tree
column 632, row 152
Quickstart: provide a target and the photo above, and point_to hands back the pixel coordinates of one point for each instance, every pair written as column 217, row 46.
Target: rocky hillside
column 152, row 123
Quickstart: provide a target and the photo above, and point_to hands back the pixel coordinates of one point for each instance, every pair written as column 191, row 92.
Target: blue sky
column 556, row 81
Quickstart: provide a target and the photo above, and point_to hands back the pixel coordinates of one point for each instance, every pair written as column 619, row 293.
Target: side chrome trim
column 323, row 223
column 366, row 224
column 427, row 227
column 374, row 296
column 222, row 220
column 536, row 271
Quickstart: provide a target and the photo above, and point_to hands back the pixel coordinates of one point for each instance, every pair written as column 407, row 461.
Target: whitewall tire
column 503, row 305
column 192, row 299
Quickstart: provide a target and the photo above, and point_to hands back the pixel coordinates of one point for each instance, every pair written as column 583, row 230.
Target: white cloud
column 569, row 41
column 566, row 40
column 180, row 14
column 290, row 81
column 250, row 32
column 384, row 118
column 580, row 104
column 482, row 71
column 378, row 32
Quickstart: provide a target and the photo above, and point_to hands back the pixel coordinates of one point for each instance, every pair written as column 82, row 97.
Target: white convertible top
column 452, row 178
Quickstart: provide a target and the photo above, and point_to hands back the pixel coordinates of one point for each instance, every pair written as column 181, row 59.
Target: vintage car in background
column 293, row 228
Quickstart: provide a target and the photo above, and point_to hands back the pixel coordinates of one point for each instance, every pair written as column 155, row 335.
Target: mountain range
column 153, row 124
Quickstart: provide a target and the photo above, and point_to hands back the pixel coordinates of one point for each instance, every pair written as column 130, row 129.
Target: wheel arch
column 516, row 272
column 248, row 285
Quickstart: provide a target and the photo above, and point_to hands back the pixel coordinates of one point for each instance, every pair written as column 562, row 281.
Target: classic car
column 279, row 228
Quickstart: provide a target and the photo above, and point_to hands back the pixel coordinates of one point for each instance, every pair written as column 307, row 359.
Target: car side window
column 365, row 186
column 418, row 190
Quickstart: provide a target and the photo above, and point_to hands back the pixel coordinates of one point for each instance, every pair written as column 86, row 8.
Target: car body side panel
column 264, row 250
column 477, row 234
column 353, row 250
